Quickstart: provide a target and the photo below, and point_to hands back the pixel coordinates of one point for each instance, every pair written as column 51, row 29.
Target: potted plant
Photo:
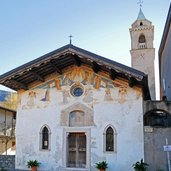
column 33, row 164
column 140, row 166
column 102, row 166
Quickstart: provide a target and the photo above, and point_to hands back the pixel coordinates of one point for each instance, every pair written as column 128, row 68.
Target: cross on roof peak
column 70, row 39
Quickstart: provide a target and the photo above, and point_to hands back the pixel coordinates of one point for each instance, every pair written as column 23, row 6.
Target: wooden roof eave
column 103, row 61
column 96, row 62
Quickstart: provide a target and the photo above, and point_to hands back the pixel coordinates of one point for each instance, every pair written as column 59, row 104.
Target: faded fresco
column 8, row 99
column 96, row 88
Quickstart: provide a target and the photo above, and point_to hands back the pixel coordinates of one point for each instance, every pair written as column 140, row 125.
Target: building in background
column 157, row 114
column 8, row 105
column 165, row 60
column 7, row 131
column 8, row 99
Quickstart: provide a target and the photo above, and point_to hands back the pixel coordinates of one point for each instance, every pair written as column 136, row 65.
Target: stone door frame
column 66, row 132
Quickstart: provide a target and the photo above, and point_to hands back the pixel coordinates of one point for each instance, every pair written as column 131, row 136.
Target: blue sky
column 32, row 28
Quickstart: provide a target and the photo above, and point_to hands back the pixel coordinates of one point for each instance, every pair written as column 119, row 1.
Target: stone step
column 74, row 169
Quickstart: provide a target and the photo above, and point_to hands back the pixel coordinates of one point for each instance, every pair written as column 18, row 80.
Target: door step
column 74, row 169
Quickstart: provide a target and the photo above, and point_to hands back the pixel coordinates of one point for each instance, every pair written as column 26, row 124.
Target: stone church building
column 76, row 108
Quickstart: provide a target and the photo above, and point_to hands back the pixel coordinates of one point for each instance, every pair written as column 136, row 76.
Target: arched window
column 109, row 139
column 142, row 39
column 45, row 138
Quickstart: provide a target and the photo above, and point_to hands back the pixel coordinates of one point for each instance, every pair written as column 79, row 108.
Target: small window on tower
column 141, row 23
column 142, row 39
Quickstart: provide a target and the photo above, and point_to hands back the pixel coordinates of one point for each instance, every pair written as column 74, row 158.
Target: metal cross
column 70, row 39
column 140, row 2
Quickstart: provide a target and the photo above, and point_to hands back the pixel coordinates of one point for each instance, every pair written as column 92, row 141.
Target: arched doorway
column 157, row 118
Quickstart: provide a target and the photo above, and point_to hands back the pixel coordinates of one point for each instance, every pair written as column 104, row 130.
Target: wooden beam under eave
column 112, row 74
column 132, row 82
column 55, row 68
column 77, row 61
column 35, row 74
column 96, row 67
column 19, row 84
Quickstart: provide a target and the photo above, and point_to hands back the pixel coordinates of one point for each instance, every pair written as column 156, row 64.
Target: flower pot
column 34, row 168
column 101, row 169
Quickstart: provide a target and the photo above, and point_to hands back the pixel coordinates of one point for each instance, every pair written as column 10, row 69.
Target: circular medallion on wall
column 76, row 90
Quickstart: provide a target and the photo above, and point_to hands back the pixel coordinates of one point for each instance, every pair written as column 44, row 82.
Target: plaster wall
column 113, row 104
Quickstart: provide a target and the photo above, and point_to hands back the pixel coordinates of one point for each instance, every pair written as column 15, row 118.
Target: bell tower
column 142, row 50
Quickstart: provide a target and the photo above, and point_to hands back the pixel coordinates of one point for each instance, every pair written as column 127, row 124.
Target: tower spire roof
column 141, row 15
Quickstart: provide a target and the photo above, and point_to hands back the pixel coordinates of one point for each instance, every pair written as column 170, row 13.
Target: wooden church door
column 77, row 150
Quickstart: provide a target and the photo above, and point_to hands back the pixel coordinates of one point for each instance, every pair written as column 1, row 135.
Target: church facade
column 76, row 108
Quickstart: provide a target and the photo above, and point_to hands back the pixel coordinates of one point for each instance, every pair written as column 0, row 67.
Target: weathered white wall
column 112, row 103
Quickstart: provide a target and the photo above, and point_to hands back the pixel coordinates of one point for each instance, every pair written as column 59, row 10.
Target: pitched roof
column 57, row 60
column 141, row 15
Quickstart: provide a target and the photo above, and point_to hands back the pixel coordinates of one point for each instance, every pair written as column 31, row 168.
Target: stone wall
column 157, row 105
column 155, row 137
column 154, row 140
column 7, row 162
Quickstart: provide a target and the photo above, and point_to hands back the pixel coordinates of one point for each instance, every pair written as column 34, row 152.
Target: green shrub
column 32, row 163
column 102, row 165
column 140, row 166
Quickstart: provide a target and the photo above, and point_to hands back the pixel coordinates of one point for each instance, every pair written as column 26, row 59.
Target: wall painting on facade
column 92, row 83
